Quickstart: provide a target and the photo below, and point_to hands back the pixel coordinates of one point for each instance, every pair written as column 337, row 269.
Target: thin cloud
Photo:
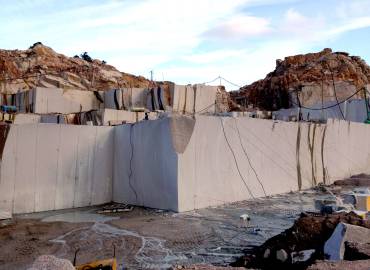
column 240, row 27
column 183, row 40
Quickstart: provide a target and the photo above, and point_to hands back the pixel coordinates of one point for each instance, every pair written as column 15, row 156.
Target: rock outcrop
column 316, row 77
column 42, row 66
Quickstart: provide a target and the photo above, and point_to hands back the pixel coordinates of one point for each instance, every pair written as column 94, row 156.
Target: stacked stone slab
column 55, row 100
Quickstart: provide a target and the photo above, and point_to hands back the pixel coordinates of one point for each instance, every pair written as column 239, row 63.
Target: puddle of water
column 152, row 253
column 78, row 217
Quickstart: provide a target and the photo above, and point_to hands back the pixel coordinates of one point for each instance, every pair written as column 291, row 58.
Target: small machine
column 8, row 109
column 106, row 264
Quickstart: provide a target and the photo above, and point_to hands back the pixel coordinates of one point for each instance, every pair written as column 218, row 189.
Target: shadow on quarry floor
column 152, row 239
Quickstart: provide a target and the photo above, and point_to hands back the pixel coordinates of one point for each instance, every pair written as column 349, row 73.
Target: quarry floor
column 151, row 239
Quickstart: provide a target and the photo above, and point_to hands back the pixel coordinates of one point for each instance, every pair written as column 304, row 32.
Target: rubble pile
column 303, row 243
column 318, row 71
column 41, row 66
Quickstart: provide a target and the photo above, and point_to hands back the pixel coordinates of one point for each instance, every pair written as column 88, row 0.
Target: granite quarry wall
column 232, row 159
column 218, row 160
column 48, row 167
column 177, row 163
column 145, row 165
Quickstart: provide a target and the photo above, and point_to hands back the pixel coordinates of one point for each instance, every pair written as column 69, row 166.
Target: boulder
column 282, row 255
column 334, row 247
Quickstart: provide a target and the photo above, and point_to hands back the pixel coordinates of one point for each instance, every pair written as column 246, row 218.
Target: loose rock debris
column 309, row 232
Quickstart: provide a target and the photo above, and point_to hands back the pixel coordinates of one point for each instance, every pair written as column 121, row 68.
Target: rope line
column 249, row 161
column 236, row 162
column 131, row 158
column 335, row 92
column 215, row 79
column 222, row 78
column 234, row 84
column 209, row 106
column 325, row 108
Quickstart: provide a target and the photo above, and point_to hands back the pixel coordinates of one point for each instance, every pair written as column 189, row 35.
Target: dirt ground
column 151, row 239
column 344, row 265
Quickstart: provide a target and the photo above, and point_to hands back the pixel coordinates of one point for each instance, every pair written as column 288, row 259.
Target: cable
column 230, row 82
column 209, row 106
column 367, row 107
column 215, row 79
column 236, row 162
column 328, row 107
column 249, row 161
column 131, row 158
column 116, row 99
column 335, row 92
column 98, row 96
column 222, row 78
column 269, row 157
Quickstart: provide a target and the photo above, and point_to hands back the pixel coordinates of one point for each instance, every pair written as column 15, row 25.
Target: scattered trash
column 116, row 208
column 256, row 230
column 245, row 217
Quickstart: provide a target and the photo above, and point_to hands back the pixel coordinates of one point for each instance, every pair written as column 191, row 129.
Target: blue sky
column 189, row 41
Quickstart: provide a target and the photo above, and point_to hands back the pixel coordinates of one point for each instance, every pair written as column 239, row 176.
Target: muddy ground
column 151, row 239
